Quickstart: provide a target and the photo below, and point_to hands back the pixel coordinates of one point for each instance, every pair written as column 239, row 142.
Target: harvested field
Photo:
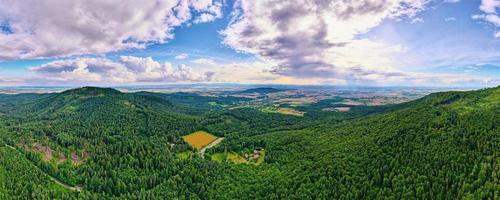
column 289, row 111
column 343, row 109
column 284, row 111
column 337, row 109
column 199, row 139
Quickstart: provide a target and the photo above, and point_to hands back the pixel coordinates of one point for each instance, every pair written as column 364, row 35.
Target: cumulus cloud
column 127, row 69
column 262, row 72
column 306, row 38
column 489, row 7
column 54, row 28
column 490, row 18
column 211, row 10
column 416, row 20
column 497, row 34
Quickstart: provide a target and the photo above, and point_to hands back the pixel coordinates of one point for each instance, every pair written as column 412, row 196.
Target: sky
column 436, row 43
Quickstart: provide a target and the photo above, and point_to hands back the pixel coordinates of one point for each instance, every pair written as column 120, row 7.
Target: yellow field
column 289, row 111
column 199, row 139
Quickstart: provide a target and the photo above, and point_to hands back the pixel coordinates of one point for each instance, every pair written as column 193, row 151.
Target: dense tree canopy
column 113, row 145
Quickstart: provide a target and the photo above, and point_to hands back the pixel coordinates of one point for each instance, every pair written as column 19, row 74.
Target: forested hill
column 443, row 146
column 77, row 116
column 117, row 145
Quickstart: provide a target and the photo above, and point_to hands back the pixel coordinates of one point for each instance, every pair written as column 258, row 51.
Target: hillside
column 444, row 145
column 99, row 114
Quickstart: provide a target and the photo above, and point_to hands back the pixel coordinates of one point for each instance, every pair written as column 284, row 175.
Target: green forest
column 100, row 143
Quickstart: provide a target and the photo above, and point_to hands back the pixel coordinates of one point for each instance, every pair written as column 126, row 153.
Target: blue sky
column 398, row 42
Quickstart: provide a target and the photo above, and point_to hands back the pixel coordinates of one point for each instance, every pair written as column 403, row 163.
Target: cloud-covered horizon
column 348, row 42
column 145, row 70
column 128, row 69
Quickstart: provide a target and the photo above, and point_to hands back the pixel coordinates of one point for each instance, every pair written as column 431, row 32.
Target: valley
column 250, row 100
column 89, row 143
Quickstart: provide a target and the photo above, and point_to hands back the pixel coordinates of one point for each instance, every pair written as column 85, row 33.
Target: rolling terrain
column 114, row 145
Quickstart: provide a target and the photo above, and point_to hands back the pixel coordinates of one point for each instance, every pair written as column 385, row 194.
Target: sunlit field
column 199, row 139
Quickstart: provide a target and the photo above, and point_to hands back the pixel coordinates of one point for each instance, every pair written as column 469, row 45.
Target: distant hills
column 262, row 90
column 445, row 145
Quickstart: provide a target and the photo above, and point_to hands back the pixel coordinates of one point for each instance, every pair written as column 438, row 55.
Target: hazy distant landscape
column 224, row 143
column 249, row 99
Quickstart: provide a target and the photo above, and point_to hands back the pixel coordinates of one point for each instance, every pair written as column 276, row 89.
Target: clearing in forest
column 199, row 139
column 284, row 111
column 255, row 158
column 290, row 111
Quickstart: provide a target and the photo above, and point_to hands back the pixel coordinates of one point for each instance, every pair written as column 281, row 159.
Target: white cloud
column 205, row 17
column 494, row 19
column 451, row 1
column 449, row 19
column 489, row 7
column 54, row 28
column 139, row 70
column 127, row 69
column 181, row 56
column 416, row 20
column 263, row 72
column 312, row 38
column 497, row 34
column 211, row 10
column 476, row 17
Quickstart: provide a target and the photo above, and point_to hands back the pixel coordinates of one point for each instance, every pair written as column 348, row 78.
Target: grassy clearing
column 231, row 157
column 219, row 157
column 284, row 111
column 184, row 155
column 199, row 139
column 235, row 158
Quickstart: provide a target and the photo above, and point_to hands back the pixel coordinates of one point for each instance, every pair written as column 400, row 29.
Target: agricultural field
column 284, row 111
column 290, row 111
column 199, row 139
column 337, row 109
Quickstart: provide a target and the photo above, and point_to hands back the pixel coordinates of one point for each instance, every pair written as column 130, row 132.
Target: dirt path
column 76, row 189
column 215, row 142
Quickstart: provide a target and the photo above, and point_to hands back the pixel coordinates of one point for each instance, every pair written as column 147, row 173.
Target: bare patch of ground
column 48, row 155
column 79, row 159
column 212, row 144
column 62, row 158
column 45, row 150
column 290, row 111
column 337, row 109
